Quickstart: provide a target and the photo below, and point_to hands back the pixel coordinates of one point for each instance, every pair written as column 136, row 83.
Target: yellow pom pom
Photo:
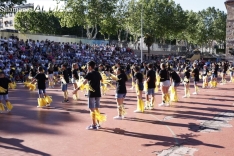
column 2, row 90
column 9, row 106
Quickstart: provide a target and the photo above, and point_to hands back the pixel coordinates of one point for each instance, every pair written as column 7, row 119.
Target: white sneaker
column 184, row 96
column 161, row 104
column 195, row 93
column 137, row 111
column 167, row 105
column 147, row 107
column 118, row 117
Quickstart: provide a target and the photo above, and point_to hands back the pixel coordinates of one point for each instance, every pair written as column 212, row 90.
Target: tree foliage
column 162, row 20
column 36, row 22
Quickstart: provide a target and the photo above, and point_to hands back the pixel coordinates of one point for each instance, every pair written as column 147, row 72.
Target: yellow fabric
column 140, row 105
column 26, row 83
column 2, row 90
column 196, row 89
column 173, row 95
column 164, row 98
column 48, row 99
column 204, row 85
column 129, row 76
column 145, row 86
column 187, row 92
column 2, row 107
column 9, row 106
column 157, row 83
column 137, row 89
column 232, row 79
column 32, row 87
column 211, row 83
column 215, row 83
column 12, row 85
column 99, row 117
column 133, row 84
column 75, row 97
column 92, row 115
column 121, row 110
column 83, row 67
column 41, row 102
column 113, row 77
column 167, row 97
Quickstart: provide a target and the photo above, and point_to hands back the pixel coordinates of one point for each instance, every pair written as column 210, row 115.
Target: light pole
column 141, row 34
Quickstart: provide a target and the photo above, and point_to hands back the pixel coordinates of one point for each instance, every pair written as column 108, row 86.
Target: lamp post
column 141, row 33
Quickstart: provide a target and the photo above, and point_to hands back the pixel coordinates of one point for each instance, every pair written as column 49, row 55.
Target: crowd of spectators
column 24, row 56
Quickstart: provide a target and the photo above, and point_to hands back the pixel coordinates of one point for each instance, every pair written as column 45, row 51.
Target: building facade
column 7, row 19
column 229, row 26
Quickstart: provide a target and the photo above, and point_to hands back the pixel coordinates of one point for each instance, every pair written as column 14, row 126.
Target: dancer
column 214, row 75
column 121, row 92
column 50, row 74
column 231, row 70
column 43, row 99
column 224, row 72
column 186, row 83
column 93, row 78
column 150, row 82
column 64, row 81
column 195, row 74
column 4, row 82
column 164, row 84
column 175, row 82
column 132, row 75
column 75, row 79
column 138, row 78
column 56, row 70
column 205, row 77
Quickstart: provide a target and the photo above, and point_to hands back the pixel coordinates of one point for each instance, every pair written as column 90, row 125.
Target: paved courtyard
column 199, row 126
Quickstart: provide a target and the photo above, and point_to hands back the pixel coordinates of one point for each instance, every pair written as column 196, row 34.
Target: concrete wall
column 229, row 26
column 53, row 38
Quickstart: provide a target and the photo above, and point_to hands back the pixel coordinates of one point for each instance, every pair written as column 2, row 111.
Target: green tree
column 37, row 22
column 211, row 27
column 149, row 40
column 87, row 13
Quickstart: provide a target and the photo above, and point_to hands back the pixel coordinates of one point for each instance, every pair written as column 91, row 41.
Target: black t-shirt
column 75, row 74
column 175, row 77
column 205, row 72
column 187, row 75
column 215, row 69
column 50, row 71
column 41, row 80
column 33, row 72
column 56, row 69
column 121, row 84
column 12, row 72
column 152, row 75
column 196, row 74
column 4, row 82
column 164, row 75
column 225, row 67
column 145, row 70
column 65, row 75
column 94, row 79
column 139, row 77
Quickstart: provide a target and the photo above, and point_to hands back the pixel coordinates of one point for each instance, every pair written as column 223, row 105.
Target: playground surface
column 200, row 125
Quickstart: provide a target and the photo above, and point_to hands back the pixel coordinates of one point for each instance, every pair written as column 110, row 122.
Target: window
column 11, row 23
column 10, row 14
column 6, row 16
